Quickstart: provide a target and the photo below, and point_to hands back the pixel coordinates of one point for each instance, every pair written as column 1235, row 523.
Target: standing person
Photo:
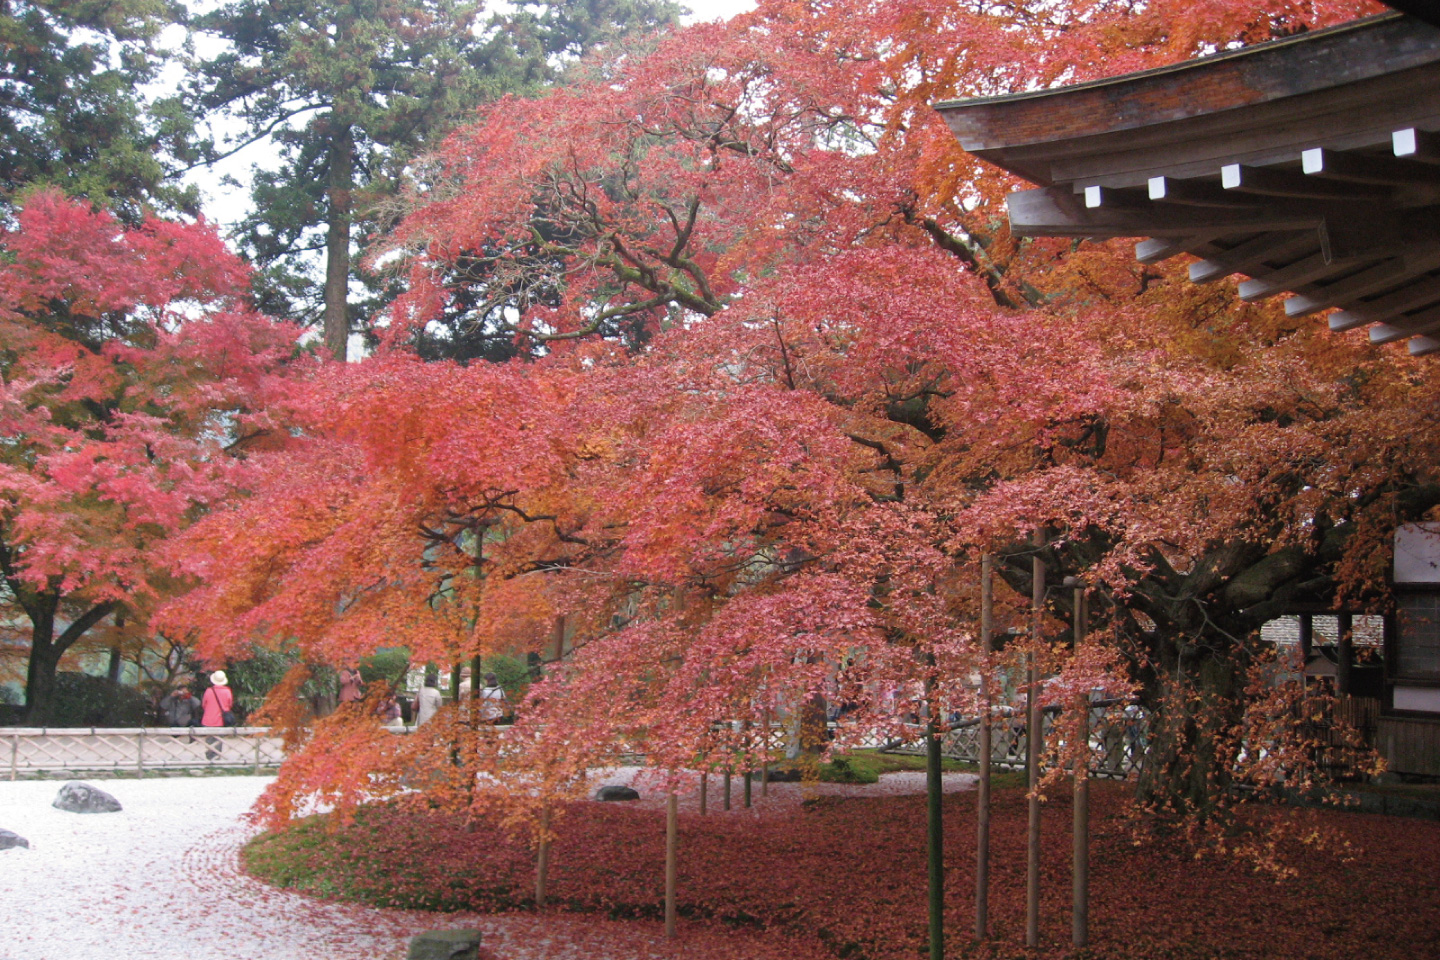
column 217, row 705
column 494, row 705
column 351, row 688
column 180, row 708
column 428, row 700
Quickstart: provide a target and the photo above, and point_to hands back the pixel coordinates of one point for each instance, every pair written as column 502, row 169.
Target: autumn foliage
column 132, row 367
column 782, row 377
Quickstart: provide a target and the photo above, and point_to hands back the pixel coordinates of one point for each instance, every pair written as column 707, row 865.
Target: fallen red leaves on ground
column 845, row 878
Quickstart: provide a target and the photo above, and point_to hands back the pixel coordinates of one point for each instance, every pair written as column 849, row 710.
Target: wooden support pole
column 140, row 754
column 475, row 684
column 749, row 775
column 1345, row 650
column 935, row 833
column 557, row 636
column 725, row 795
column 982, row 795
column 1032, row 752
column 542, row 857
column 704, row 792
column 1080, row 853
column 672, row 835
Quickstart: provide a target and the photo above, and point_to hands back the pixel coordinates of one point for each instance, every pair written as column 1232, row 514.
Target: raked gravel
column 161, row 878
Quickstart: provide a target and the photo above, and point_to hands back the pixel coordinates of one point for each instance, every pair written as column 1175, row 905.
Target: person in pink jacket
column 217, row 701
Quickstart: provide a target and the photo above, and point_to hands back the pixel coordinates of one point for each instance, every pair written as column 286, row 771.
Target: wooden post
column 672, row 831
column 455, row 683
column 982, row 794
column 475, row 684
column 558, row 636
column 725, row 802
column 14, row 754
column 140, row 755
column 257, row 756
column 542, row 857
column 1080, row 853
column 749, row 775
column 935, row 830
column 704, row 791
column 1345, row 648
column 1032, row 752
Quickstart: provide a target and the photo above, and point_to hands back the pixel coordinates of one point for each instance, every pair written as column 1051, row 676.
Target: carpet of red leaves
column 845, row 878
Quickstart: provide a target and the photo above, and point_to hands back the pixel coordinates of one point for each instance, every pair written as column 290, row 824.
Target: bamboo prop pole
column 749, row 770
column 1080, row 853
column 672, row 831
column 1033, row 734
column 704, row 792
column 765, row 762
column 542, row 857
column 982, row 796
column 935, row 831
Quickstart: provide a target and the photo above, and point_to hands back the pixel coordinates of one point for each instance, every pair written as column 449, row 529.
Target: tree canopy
column 793, row 377
column 350, row 93
column 132, row 368
column 70, row 116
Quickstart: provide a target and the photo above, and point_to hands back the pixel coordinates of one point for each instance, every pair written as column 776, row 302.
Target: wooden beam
column 1366, row 168
column 1153, row 251
column 1422, row 293
column 1251, row 253
column 1195, row 193
column 1423, row 346
column 1375, row 279
column 1307, row 270
column 1057, row 212
column 1269, row 182
column 1410, row 325
column 1416, row 144
column 1114, row 198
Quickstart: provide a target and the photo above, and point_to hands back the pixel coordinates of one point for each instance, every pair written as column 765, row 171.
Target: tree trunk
column 1190, row 748
column 337, row 242
column 46, row 649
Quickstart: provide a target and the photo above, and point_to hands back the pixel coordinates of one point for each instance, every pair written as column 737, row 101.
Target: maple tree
column 132, row 367
column 782, row 395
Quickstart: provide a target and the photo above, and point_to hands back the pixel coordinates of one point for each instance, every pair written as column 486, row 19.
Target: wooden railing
column 1117, row 740
column 49, row 750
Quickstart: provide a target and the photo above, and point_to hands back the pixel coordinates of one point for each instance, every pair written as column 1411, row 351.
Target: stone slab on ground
column 9, row 840
column 445, row 945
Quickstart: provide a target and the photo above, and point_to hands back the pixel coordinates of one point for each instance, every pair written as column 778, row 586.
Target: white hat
column 218, row 678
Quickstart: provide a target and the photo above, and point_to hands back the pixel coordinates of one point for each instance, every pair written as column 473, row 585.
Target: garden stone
column 445, row 945
column 616, row 793
column 782, row 775
column 79, row 797
column 9, row 839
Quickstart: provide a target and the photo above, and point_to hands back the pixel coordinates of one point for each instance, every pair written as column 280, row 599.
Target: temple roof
column 1309, row 165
